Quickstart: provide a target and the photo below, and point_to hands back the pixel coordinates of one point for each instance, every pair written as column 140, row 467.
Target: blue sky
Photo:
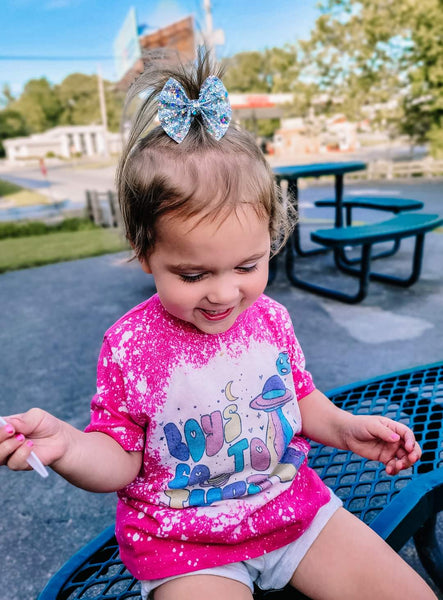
column 87, row 28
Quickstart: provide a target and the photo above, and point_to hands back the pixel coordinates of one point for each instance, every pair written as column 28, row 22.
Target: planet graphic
column 283, row 364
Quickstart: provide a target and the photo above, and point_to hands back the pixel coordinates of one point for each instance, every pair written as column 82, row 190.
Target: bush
column 16, row 229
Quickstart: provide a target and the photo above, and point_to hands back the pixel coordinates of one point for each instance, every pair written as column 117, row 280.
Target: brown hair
column 158, row 176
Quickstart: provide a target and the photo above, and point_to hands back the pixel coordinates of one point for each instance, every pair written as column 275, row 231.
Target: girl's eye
column 191, row 278
column 247, row 269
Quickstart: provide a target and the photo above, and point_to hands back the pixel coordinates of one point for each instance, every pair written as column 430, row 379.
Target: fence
column 102, row 208
column 383, row 169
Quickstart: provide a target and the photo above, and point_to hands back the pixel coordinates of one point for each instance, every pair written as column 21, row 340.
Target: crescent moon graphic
column 228, row 393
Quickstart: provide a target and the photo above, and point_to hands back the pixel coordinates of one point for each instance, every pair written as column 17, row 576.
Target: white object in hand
column 32, row 460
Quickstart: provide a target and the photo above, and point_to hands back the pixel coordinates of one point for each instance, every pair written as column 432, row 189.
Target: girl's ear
column 144, row 262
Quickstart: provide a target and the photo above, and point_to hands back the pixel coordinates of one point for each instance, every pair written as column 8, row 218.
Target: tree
column 6, row 97
column 272, row 71
column 366, row 52
column 79, row 98
column 12, row 124
column 39, row 105
column 275, row 70
column 424, row 103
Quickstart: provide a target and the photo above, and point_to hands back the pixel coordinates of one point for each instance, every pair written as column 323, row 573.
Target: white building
column 64, row 141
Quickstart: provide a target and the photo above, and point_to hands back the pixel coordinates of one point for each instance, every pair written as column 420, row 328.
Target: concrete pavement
column 51, row 324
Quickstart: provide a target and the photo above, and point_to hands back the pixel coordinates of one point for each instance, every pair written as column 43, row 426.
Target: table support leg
column 391, row 279
column 352, row 261
column 293, row 198
column 429, row 551
column 363, row 275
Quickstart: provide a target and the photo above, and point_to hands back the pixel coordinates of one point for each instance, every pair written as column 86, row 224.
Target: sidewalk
column 51, row 325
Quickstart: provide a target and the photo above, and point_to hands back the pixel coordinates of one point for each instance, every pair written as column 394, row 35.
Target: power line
column 56, row 58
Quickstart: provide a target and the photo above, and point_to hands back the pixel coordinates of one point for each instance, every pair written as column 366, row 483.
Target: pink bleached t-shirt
column 224, row 474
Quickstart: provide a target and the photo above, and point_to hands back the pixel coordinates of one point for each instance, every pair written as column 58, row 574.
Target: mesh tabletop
column 413, row 397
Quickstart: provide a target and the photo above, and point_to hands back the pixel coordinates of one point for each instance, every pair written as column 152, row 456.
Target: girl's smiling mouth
column 215, row 315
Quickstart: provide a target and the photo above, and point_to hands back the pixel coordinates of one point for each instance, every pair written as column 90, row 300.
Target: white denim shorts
column 271, row 571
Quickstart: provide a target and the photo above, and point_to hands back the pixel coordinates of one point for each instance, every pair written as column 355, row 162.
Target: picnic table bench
column 414, row 225
column 384, row 203
column 397, row 507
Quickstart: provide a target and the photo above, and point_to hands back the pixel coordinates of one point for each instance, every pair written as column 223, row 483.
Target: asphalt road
column 51, row 324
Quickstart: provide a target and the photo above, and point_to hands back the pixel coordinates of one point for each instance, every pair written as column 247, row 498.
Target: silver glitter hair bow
column 176, row 111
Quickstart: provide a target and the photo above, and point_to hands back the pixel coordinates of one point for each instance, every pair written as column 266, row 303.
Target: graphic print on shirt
column 240, row 449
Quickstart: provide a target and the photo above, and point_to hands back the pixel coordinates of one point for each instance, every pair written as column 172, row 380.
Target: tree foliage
column 367, row 52
column 6, row 96
column 272, row 71
column 79, row 97
column 39, row 105
column 12, row 124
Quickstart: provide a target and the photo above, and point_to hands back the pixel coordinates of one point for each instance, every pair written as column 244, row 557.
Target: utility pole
column 208, row 18
column 101, row 95
column 212, row 38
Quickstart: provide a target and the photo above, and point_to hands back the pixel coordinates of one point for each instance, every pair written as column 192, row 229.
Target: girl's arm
column 371, row 436
column 93, row 461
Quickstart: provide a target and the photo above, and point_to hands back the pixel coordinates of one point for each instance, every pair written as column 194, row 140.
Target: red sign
column 259, row 102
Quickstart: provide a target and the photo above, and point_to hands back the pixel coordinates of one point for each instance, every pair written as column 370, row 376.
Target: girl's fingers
column 12, row 445
column 406, row 438
column 17, row 458
column 6, row 431
column 405, row 433
column 415, row 454
column 403, row 460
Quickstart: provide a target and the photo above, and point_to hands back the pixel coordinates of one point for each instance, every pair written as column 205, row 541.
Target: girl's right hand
column 35, row 430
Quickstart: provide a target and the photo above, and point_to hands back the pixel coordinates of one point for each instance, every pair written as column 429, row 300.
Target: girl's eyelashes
column 188, row 278
column 247, row 269
column 191, row 278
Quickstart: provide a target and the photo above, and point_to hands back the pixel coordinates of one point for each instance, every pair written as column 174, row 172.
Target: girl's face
column 207, row 273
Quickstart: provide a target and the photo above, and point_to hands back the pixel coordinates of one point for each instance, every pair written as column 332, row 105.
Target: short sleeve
column 109, row 410
column 303, row 381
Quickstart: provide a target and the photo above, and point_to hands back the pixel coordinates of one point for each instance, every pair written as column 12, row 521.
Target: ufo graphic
column 274, row 395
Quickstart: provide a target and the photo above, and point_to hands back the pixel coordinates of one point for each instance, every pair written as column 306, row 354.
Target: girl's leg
column 348, row 560
column 202, row 587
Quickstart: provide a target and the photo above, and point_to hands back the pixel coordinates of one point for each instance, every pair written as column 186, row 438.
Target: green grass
column 15, row 195
column 7, row 188
column 33, row 251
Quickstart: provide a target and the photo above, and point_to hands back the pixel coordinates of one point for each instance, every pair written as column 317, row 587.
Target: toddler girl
column 203, row 401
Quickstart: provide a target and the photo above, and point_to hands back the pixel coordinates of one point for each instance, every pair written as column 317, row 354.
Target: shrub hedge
column 14, row 229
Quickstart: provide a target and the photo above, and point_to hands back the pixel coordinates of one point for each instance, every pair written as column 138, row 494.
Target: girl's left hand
column 380, row 438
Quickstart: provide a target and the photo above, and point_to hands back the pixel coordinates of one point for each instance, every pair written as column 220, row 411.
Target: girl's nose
column 222, row 292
